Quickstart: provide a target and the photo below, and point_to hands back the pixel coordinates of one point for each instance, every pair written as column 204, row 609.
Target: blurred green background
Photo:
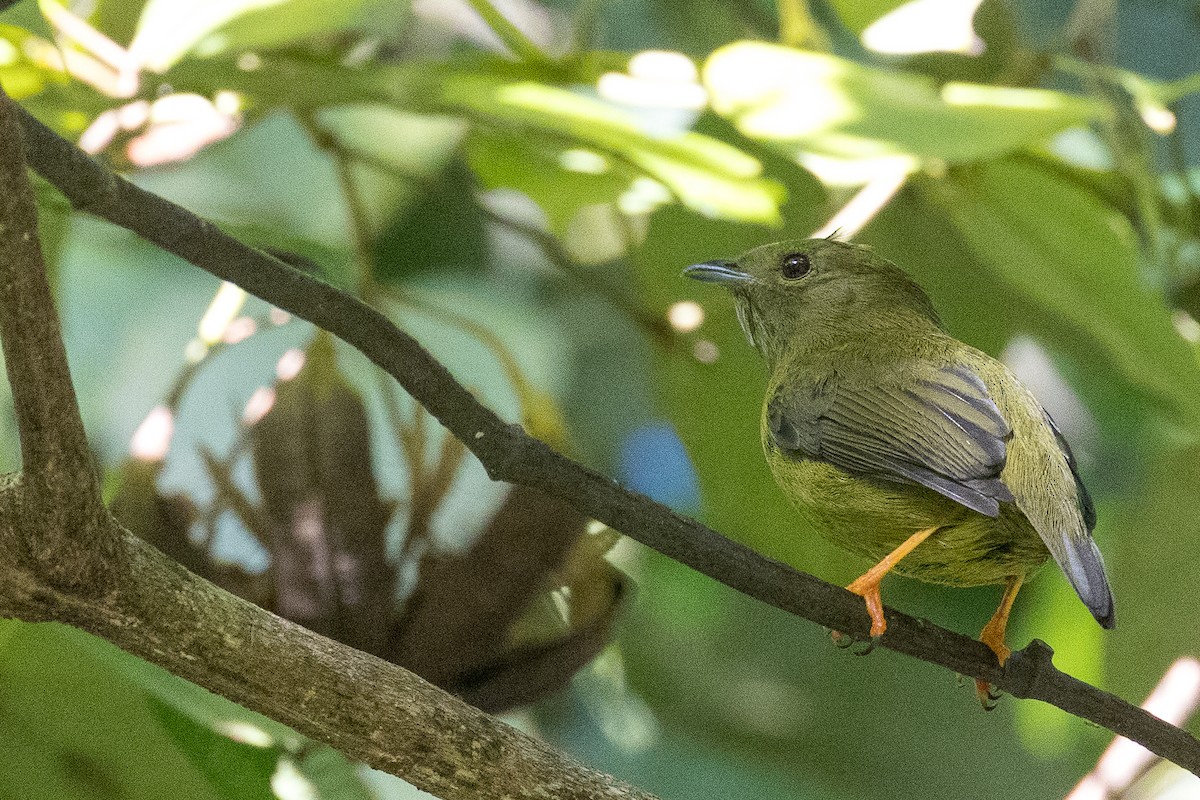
column 519, row 184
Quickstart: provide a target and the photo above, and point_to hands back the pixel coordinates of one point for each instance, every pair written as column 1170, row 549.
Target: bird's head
column 815, row 292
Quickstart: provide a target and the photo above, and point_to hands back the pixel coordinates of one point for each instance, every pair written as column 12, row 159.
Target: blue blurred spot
column 654, row 462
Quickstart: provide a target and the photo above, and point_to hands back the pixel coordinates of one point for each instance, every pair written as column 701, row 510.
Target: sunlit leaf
column 704, row 173
column 823, row 104
column 171, row 29
column 19, row 74
column 1054, row 614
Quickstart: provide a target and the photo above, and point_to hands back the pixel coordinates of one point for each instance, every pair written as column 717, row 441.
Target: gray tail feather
column 1084, row 568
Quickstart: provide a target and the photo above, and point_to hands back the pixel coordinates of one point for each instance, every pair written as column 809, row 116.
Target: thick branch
column 58, row 473
column 509, row 454
column 369, row 709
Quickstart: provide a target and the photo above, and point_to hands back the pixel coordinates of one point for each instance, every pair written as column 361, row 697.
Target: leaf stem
column 361, row 237
column 1174, row 91
column 797, row 28
column 513, row 38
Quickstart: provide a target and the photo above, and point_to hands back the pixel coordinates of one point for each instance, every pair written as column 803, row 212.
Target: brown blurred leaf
column 326, row 521
column 502, row 624
column 527, row 673
column 458, row 628
column 220, row 472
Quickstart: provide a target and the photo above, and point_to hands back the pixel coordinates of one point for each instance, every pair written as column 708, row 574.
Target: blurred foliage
column 518, row 184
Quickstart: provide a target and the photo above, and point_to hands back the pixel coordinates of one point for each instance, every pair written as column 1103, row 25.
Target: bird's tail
column 1083, row 565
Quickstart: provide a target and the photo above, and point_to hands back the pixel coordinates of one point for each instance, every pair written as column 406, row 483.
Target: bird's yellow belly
column 873, row 517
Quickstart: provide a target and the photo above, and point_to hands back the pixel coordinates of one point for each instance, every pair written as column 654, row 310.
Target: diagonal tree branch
column 371, row 710
column 509, row 454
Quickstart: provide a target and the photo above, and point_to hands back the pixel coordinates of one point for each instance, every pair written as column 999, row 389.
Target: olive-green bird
column 899, row 442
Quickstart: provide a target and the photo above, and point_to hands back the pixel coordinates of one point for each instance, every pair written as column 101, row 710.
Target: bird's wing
column 925, row 424
column 1086, row 508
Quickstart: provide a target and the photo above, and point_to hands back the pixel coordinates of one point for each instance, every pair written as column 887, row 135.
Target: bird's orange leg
column 993, row 636
column 867, row 586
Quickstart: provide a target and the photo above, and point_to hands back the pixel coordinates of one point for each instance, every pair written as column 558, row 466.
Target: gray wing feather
column 936, row 427
column 1086, row 507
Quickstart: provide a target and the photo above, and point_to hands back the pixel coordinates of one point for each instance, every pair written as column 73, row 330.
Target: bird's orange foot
column 867, row 588
column 988, row 694
column 993, row 636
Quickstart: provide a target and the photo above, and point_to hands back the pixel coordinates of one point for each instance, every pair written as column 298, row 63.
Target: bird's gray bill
column 717, row 272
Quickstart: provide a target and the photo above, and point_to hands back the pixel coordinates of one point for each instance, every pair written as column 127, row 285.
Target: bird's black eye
column 795, row 265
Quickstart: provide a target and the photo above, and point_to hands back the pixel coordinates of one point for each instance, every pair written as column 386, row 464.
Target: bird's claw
column 844, row 642
column 840, row 640
column 868, row 646
column 988, row 695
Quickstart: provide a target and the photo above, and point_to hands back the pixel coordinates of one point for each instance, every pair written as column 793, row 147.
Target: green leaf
column 75, row 727
column 238, row 770
column 560, row 180
column 1060, row 250
column 244, row 762
column 54, row 222
column 117, row 19
column 412, row 146
column 333, row 776
column 170, row 29
column 416, row 241
column 239, row 751
column 20, row 76
column 915, row 233
column 817, row 103
column 704, row 173
column 1002, row 55
column 1052, row 613
column 857, row 15
column 285, row 81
